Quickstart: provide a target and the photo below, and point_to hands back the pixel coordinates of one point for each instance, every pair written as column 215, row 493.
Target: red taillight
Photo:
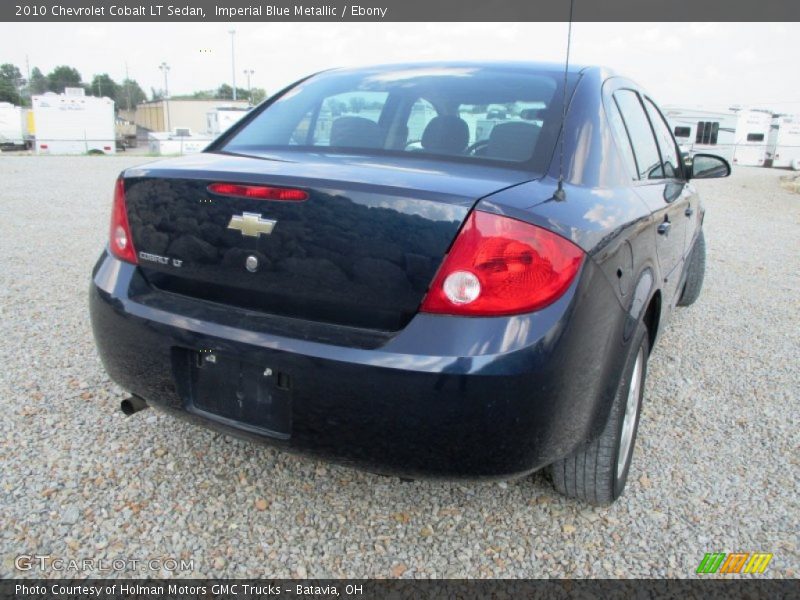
column 258, row 192
column 502, row 266
column 120, row 241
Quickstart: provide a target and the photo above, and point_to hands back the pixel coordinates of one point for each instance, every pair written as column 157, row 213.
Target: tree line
column 16, row 89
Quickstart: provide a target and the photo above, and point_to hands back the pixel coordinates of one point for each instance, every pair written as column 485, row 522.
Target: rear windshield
column 504, row 116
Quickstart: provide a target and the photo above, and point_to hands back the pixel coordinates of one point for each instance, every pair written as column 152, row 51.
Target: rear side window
column 621, row 135
column 641, row 135
column 669, row 153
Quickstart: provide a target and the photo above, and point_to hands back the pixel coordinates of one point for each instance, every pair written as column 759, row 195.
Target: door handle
column 689, row 211
column 663, row 229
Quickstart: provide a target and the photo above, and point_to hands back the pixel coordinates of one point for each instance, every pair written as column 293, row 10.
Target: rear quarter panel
column 602, row 213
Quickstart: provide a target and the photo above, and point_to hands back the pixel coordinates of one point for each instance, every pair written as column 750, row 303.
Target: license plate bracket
column 242, row 394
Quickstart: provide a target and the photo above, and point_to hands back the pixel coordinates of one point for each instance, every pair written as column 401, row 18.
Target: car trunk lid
column 361, row 250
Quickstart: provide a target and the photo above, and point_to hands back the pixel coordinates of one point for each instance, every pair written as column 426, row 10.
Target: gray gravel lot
column 715, row 470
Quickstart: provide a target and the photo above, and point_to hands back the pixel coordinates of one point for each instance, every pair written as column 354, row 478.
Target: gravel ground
column 715, row 470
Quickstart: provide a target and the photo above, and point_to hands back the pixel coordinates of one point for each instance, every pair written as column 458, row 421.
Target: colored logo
column 738, row 562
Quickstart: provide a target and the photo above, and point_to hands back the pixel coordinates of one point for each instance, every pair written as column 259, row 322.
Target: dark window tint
column 755, row 137
column 641, row 135
column 621, row 135
column 683, row 131
column 666, row 144
column 707, row 132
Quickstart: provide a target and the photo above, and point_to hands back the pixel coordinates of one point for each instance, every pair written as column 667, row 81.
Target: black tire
column 596, row 473
column 695, row 272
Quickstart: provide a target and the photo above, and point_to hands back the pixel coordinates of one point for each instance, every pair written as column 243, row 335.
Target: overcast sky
column 709, row 64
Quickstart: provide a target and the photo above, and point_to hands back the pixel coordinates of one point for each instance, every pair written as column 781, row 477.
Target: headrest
column 446, row 134
column 355, row 132
column 514, row 140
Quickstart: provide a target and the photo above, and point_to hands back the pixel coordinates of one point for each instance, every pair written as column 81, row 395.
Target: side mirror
column 707, row 166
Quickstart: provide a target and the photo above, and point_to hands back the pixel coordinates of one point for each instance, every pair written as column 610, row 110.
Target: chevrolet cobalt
column 381, row 267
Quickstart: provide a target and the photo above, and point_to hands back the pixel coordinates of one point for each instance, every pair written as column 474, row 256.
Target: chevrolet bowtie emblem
column 252, row 224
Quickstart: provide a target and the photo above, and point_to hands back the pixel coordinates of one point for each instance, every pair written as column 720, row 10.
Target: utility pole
column 233, row 61
column 28, row 70
column 165, row 68
column 249, row 72
column 128, row 87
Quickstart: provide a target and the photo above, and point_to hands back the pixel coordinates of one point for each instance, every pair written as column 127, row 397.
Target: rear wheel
column 596, row 473
column 696, row 271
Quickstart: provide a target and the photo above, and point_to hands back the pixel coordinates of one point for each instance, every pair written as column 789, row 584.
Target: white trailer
column 783, row 143
column 750, row 142
column 72, row 123
column 12, row 125
column 697, row 130
column 223, row 117
column 740, row 136
column 179, row 141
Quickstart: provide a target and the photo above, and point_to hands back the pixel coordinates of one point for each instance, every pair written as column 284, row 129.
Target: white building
column 222, row 118
column 169, row 115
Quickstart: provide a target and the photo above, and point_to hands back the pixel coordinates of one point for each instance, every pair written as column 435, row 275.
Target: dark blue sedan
column 382, row 267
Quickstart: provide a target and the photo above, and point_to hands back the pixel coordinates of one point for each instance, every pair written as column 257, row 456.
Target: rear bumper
column 446, row 396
